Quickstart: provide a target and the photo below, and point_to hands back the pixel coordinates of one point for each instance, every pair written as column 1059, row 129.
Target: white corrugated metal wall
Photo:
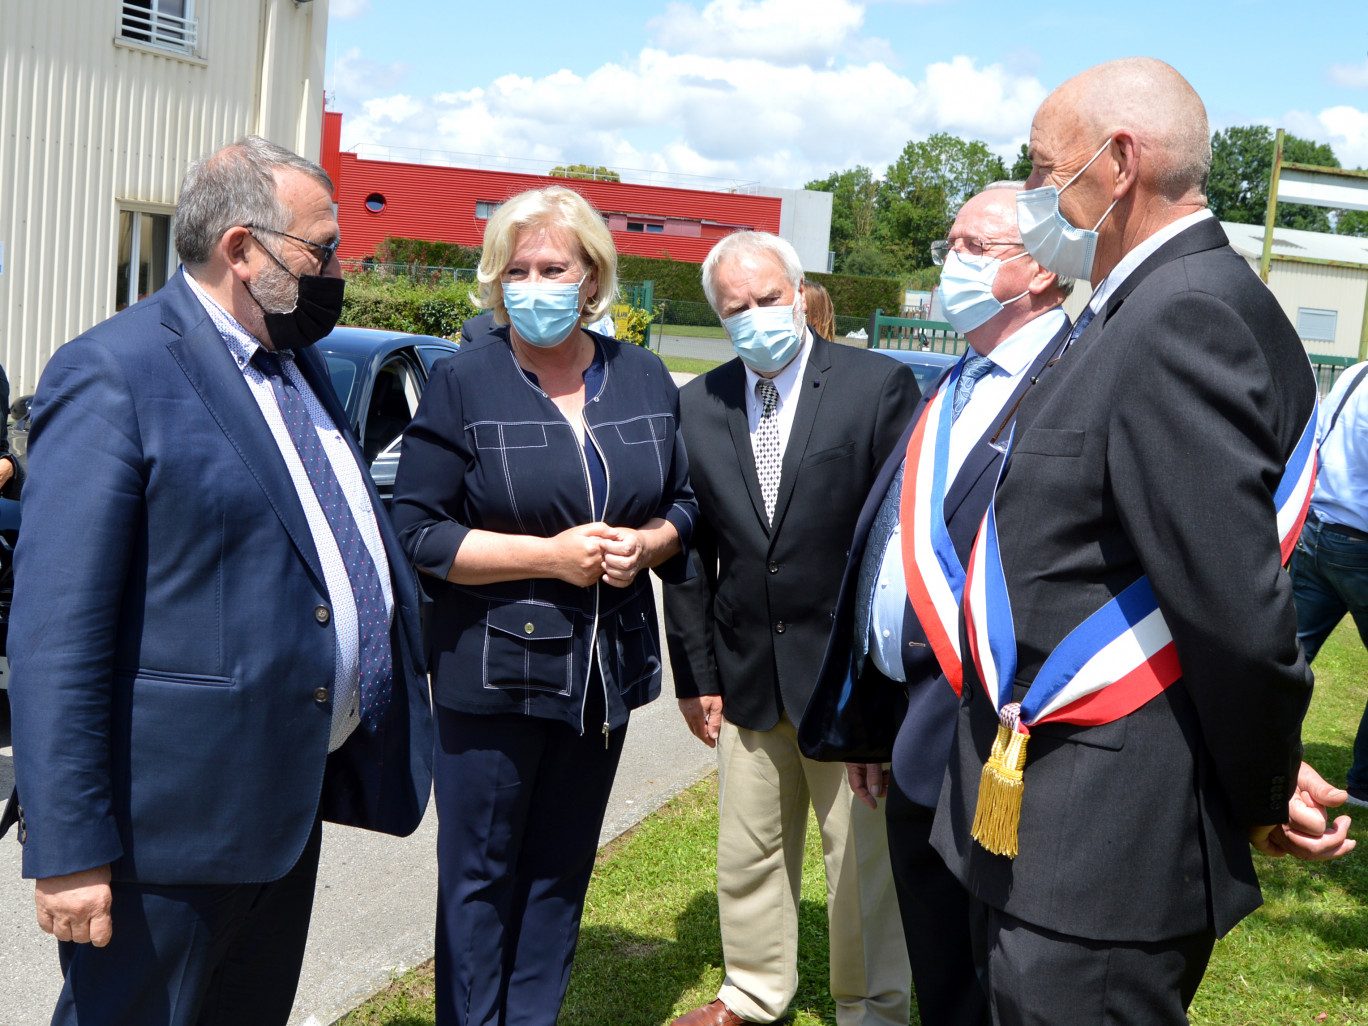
column 91, row 123
column 1320, row 287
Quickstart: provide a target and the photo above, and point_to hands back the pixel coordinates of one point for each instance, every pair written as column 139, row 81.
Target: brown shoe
column 714, row 1013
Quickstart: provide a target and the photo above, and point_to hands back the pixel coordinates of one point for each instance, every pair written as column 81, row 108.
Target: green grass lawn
column 649, row 947
column 688, row 364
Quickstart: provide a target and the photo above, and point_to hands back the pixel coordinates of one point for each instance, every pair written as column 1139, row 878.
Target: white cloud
column 784, row 32
column 1344, row 128
column 346, row 10
column 740, row 118
column 354, row 78
column 1350, row 76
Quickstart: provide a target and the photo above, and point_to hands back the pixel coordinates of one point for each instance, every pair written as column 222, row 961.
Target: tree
column 1242, row 167
column 601, row 174
column 854, row 210
column 1021, row 170
column 1352, row 222
column 924, row 189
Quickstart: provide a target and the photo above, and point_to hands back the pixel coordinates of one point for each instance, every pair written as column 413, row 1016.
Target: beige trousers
column 765, row 786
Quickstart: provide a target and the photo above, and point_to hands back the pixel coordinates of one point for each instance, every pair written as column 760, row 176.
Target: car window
column 393, row 402
column 343, row 374
column 431, row 354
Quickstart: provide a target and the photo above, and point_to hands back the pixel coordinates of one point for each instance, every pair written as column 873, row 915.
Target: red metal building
column 380, row 198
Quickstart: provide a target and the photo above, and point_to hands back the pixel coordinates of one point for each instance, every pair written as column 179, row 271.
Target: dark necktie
column 769, row 456
column 885, row 520
column 372, row 620
column 974, row 368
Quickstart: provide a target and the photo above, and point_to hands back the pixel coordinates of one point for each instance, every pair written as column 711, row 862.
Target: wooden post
column 1272, row 207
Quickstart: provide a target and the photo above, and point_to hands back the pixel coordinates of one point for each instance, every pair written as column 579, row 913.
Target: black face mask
column 315, row 314
column 317, row 309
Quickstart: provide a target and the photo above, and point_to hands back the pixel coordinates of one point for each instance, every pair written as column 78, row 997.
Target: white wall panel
column 89, row 122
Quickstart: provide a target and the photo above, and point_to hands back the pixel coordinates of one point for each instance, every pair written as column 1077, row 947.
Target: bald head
column 1149, row 99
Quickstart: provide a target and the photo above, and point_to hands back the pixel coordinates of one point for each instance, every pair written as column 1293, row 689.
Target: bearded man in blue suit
column 215, row 639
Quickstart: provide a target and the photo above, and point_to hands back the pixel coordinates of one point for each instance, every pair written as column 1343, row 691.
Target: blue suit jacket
column 923, row 744
column 171, row 641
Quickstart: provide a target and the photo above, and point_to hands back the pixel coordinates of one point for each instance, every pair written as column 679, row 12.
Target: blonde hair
column 820, row 315
column 553, row 207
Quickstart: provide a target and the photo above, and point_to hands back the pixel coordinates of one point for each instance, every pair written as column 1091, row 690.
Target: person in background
column 215, row 636
column 784, row 443
column 604, row 325
column 1330, row 564
column 888, row 632
column 541, row 477
column 820, row 316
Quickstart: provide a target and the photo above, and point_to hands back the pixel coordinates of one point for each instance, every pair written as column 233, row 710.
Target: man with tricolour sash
column 1133, row 687
column 896, row 626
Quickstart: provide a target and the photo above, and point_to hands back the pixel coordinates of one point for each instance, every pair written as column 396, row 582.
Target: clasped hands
column 597, row 552
column 1308, row 834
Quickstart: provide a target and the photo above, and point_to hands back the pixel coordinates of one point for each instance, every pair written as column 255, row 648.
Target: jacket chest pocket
column 529, row 646
column 646, row 441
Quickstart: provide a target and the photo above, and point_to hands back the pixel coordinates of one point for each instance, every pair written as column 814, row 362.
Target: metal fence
column 913, row 333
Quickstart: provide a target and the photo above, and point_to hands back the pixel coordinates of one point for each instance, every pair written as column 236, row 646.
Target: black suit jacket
column 929, row 723
column 753, row 623
column 1154, row 446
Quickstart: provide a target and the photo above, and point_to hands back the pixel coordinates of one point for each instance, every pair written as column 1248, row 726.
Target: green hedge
column 400, row 304
column 851, row 295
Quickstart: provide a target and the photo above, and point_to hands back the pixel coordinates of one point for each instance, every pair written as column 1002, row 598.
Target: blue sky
column 782, row 91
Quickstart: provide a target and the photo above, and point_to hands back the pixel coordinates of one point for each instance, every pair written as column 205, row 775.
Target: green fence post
column 873, row 330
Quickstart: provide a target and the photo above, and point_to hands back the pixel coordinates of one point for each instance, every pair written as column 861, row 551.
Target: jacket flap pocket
column 1050, row 442
column 493, row 435
column 826, row 455
column 531, row 621
column 639, row 430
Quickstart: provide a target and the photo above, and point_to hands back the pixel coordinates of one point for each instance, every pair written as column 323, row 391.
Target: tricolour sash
column 1108, row 666
column 935, row 578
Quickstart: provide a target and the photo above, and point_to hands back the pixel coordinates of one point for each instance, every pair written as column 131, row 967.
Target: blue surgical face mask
column 967, row 289
column 766, row 337
column 543, row 312
column 1056, row 244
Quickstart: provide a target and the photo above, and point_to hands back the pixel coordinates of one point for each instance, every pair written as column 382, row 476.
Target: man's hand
column 6, row 468
column 869, row 781
column 76, row 907
column 704, row 717
column 1307, row 835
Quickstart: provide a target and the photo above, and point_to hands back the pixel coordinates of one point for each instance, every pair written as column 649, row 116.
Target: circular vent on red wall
column 375, row 202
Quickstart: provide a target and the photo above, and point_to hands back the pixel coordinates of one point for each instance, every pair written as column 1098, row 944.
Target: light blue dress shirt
column 1341, row 495
column 1011, row 359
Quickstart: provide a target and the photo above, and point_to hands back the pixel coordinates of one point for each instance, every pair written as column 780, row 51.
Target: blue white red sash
column 1122, row 655
column 935, row 578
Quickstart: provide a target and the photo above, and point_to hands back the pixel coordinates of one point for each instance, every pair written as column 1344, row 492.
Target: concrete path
column 376, row 898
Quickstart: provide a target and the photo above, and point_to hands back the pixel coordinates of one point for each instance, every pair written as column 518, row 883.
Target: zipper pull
column 605, row 735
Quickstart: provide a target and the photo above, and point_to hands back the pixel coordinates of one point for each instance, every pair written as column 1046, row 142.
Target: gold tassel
column 998, row 812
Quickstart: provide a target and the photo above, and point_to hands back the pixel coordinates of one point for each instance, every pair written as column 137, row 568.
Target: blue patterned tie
column 372, row 619
column 879, row 532
column 974, row 368
column 1080, row 325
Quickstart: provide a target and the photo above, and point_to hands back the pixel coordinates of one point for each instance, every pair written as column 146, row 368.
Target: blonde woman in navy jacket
column 542, row 475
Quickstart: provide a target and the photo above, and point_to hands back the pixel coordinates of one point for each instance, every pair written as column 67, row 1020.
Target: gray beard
column 275, row 290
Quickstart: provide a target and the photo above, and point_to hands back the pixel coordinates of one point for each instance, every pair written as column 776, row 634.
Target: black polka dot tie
column 769, row 453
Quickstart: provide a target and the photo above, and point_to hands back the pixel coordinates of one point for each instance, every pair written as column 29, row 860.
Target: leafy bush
column 633, row 325
column 392, row 303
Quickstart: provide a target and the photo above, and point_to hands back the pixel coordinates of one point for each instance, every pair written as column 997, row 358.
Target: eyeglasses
column 325, row 251
column 970, row 244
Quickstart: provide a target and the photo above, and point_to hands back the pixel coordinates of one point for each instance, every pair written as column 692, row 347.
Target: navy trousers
column 1329, row 571
column 195, row 956
column 520, row 803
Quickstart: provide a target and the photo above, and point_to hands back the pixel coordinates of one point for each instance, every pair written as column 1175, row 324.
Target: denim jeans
column 1330, row 578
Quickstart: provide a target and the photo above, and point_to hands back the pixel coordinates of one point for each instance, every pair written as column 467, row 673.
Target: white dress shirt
column 347, row 677
column 1011, row 359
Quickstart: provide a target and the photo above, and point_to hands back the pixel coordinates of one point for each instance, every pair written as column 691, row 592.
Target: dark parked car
column 379, row 377
column 926, row 365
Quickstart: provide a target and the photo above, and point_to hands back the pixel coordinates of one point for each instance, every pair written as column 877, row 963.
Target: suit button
column 321, row 614
column 528, row 628
column 779, row 627
column 773, row 567
column 320, row 695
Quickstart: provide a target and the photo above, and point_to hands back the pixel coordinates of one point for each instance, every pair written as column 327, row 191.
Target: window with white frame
column 146, row 256
column 484, row 209
column 169, row 23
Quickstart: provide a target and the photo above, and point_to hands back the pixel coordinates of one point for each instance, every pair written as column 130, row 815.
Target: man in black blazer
column 877, row 638
column 783, row 445
column 1155, row 448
